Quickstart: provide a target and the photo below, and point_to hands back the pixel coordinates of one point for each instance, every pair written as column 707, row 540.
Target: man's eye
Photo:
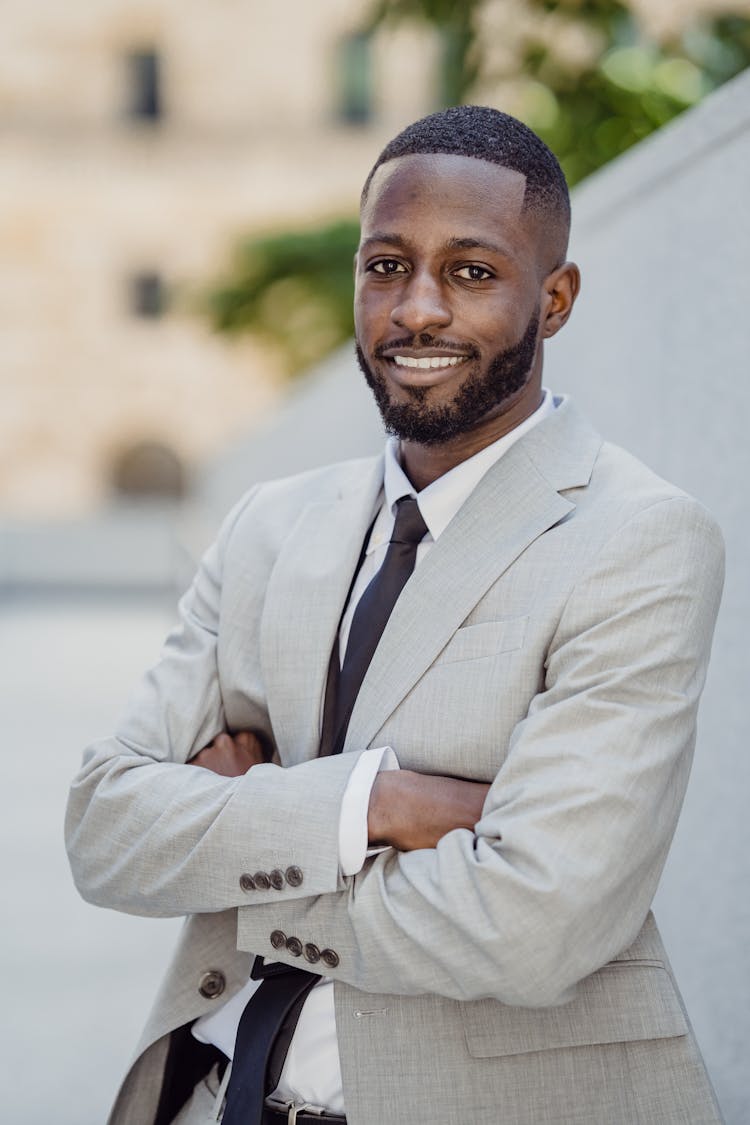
column 473, row 273
column 386, row 265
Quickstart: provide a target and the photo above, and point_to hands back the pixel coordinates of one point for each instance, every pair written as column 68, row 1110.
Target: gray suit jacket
column 554, row 643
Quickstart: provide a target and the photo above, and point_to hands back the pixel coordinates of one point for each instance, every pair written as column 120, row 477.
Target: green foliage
column 590, row 114
column 293, row 289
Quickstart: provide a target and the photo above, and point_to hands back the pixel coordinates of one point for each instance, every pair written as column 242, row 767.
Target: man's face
column 447, row 297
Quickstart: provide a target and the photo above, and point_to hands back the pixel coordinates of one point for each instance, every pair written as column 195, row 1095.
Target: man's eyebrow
column 384, row 236
column 475, row 244
column 389, row 239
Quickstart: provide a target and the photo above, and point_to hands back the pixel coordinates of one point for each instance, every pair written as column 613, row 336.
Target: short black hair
column 488, row 134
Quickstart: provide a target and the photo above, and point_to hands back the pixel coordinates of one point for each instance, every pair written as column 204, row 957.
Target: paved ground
column 78, row 981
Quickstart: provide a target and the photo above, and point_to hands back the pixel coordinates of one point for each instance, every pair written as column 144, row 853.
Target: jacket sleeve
column 148, row 834
column 560, row 871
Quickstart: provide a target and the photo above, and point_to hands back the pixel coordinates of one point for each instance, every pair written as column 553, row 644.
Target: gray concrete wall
column 657, row 354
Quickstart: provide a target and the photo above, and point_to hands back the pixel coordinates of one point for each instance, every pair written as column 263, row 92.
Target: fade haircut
column 488, row 134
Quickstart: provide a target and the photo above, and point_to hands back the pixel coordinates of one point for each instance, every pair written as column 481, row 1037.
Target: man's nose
column 422, row 305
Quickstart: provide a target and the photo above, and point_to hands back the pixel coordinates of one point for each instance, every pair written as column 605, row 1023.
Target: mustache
column 425, row 340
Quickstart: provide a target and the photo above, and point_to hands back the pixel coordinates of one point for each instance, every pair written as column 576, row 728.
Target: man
column 492, row 957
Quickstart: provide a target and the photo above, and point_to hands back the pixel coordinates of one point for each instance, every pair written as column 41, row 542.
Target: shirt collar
column 440, row 501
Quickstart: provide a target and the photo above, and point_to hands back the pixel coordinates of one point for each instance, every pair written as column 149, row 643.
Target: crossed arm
column 518, row 892
column 407, row 810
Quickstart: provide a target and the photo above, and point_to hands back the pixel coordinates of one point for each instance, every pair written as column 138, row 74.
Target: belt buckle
column 292, row 1109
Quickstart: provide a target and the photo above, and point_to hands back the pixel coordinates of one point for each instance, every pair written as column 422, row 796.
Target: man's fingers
column 249, row 742
column 230, row 755
column 250, row 746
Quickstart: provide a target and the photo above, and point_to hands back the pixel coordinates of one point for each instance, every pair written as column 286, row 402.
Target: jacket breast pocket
column 488, row 638
column 623, row 1002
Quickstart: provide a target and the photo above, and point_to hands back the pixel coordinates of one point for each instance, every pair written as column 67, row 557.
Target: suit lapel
column 306, row 594
column 517, row 500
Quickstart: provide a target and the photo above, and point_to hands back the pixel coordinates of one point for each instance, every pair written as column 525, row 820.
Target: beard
column 479, row 394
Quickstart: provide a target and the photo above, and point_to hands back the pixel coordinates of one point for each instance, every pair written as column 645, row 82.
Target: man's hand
column 413, row 810
column 230, row 755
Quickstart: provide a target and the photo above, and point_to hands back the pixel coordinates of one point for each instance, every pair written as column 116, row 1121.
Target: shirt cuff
column 354, row 807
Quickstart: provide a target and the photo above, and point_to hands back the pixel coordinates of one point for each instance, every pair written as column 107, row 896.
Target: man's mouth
column 427, row 362
column 430, row 363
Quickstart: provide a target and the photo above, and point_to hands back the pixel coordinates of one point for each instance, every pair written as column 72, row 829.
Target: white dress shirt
column 312, row 1072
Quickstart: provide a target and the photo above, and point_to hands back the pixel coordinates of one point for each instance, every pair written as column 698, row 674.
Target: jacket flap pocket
column 620, row 1003
column 488, row 638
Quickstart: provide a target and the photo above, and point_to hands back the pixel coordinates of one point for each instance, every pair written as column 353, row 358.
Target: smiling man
column 444, row 704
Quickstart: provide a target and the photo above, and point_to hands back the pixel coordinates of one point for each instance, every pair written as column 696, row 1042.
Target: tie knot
column 409, row 527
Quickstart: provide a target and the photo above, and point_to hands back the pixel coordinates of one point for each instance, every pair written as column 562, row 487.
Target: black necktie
column 270, row 1017
column 270, row 1014
column 368, row 622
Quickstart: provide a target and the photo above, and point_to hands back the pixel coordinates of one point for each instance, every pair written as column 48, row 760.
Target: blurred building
column 139, row 138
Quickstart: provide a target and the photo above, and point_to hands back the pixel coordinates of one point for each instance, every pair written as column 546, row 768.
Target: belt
column 279, row 1114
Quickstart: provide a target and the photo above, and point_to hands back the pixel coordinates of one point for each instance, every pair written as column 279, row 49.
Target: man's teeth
column 428, row 361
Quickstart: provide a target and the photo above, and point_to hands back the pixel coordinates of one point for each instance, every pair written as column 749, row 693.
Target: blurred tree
column 294, row 289
column 591, row 110
column 589, row 105
column 581, row 73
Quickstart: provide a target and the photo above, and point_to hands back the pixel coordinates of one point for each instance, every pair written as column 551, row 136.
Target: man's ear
column 559, row 291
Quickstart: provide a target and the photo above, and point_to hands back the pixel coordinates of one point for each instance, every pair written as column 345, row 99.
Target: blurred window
column 148, row 295
column 354, row 73
column 148, row 469
column 145, row 102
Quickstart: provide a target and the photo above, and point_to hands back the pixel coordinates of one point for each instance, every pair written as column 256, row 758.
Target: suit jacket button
column 277, row 879
column 212, row 984
column 247, row 882
column 278, row 939
column 294, row 945
column 330, row 958
column 262, row 882
column 294, row 876
column 312, row 953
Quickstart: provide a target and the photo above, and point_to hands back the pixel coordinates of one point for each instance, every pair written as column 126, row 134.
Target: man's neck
column 423, row 464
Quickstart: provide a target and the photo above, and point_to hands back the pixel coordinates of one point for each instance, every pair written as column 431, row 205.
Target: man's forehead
column 445, row 178
column 469, row 195
column 443, row 170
